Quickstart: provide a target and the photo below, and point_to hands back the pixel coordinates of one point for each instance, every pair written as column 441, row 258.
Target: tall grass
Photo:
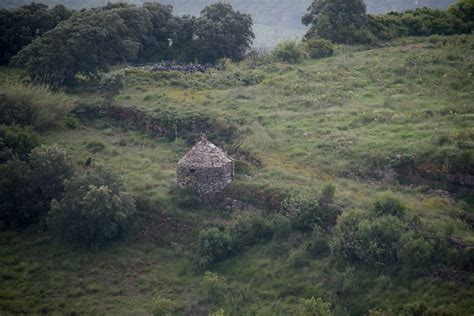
column 33, row 105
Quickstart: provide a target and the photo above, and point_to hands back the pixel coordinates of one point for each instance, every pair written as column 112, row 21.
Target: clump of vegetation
column 16, row 141
column 27, row 188
column 111, row 85
column 32, row 105
column 243, row 231
column 315, row 307
column 319, row 48
column 50, row 167
column 94, row 209
column 163, row 306
column 289, row 51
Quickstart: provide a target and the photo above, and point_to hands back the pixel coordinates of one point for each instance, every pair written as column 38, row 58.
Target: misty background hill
column 274, row 20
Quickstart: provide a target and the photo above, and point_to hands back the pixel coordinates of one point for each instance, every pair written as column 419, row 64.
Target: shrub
column 110, row 86
column 214, row 286
column 289, row 52
column 33, row 105
column 370, row 240
column 15, row 198
column 50, row 167
column 304, row 212
column 246, row 230
column 415, row 250
column 213, row 244
column 318, row 245
column 162, row 306
column 327, row 194
column 281, row 226
column 319, row 48
column 388, row 204
column 298, row 258
column 71, row 122
column 16, row 141
column 95, row 208
column 315, row 307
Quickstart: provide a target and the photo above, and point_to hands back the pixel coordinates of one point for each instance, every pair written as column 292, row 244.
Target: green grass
column 340, row 120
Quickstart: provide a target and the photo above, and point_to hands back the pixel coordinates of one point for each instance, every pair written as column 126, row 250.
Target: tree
column 20, row 26
column 89, row 42
column 340, row 21
column 222, row 32
column 50, row 167
column 94, row 209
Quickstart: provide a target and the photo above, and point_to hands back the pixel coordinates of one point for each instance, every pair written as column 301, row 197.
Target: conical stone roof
column 205, row 155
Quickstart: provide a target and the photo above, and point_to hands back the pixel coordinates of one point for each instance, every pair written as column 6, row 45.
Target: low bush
column 281, row 226
column 289, row 51
column 214, row 286
column 318, row 246
column 16, row 207
column 388, row 204
column 213, row 244
column 16, row 141
column 315, row 307
column 163, row 306
column 319, row 48
column 110, row 86
column 32, row 105
column 94, row 209
column 50, row 167
column 247, row 230
column 298, row 258
column 304, row 212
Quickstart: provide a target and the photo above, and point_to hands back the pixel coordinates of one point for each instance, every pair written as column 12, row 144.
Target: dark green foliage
column 319, row 48
column 340, row 21
column 94, row 209
column 246, row 230
column 388, row 204
column 213, row 244
column 305, row 212
column 111, row 85
column 281, row 226
column 415, row 250
column 370, row 240
column 16, row 141
column 90, row 42
column 236, row 236
column 315, row 307
column 50, row 167
column 188, row 198
column 424, row 22
column 289, row 51
column 327, row 194
column 20, row 26
column 318, row 245
column 15, row 194
column 222, row 32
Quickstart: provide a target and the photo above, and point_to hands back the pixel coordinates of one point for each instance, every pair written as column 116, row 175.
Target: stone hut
column 206, row 168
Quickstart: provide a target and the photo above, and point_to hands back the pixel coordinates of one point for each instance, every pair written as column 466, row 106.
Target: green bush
column 388, row 204
column 50, row 167
column 95, row 208
column 304, row 212
column 110, row 86
column 327, row 194
column 163, row 306
column 214, row 286
column 16, row 207
column 16, row 141
column 371, row 240
column 318, row 246
column 315, row 307
column 298, row 258
column 415, row 250
column 32, row 105
column 281, row 226
column 246, row 230
column 319, row 48
column 289, row 52
column 213, row 244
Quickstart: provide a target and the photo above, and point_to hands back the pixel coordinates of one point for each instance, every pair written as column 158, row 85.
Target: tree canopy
column 93, row 40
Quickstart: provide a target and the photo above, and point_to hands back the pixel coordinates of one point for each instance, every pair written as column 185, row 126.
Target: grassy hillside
column 396, row 118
